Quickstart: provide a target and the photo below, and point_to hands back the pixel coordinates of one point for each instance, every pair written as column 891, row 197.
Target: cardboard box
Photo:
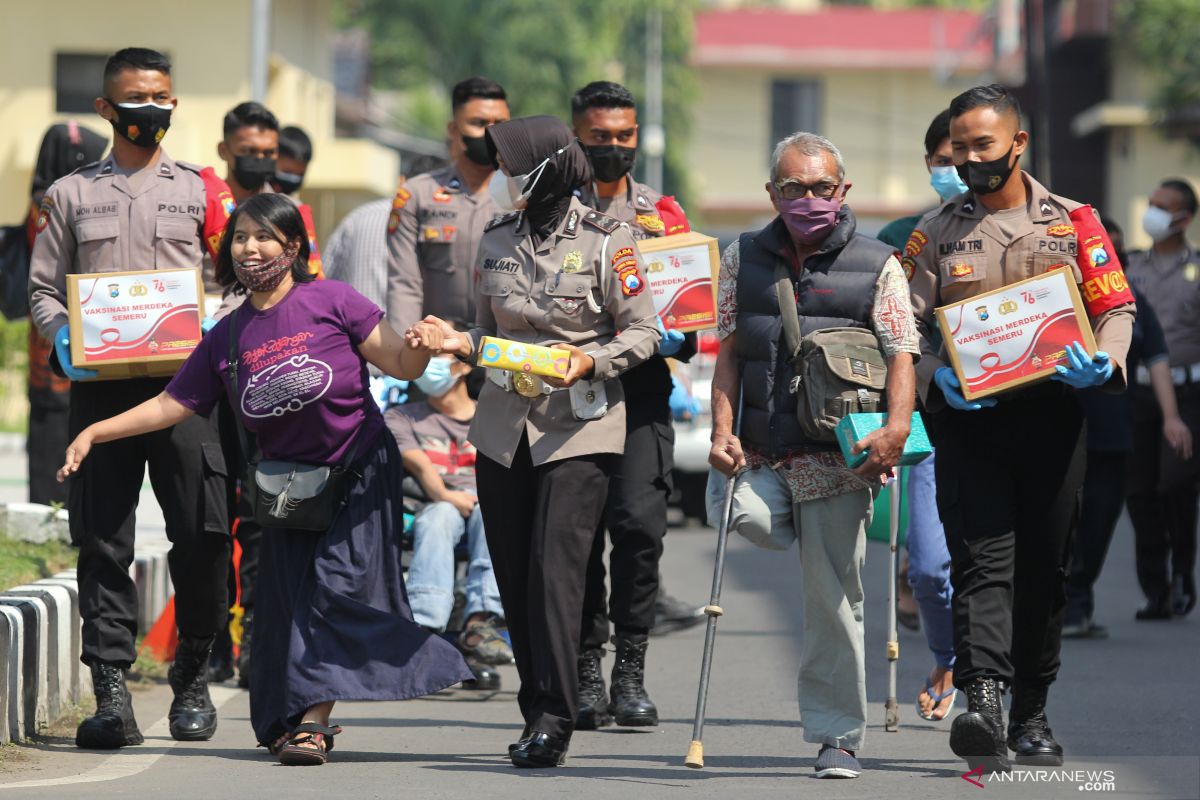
column 682, row 272
column 1015, row 335
column 532, row 359
column 137, row 324
column 854, row 427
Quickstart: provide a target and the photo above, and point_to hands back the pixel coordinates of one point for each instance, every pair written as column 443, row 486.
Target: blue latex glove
column 947, row 381
column 671, row 340
column 683, row 405
column 1085, row 371
column 62, row 347
column 394, row 392
column 207, row 324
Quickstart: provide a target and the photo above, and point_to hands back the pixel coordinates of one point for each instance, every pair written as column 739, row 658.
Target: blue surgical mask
column 438, row 378
column 946, row 182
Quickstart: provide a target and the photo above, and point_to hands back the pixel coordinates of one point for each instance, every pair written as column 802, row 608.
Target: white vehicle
column 692, row 435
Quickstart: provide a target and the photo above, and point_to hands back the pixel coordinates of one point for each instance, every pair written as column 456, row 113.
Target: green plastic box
column 854, row 427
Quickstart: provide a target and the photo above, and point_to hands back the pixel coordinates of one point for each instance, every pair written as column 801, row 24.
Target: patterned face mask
column 265, row 277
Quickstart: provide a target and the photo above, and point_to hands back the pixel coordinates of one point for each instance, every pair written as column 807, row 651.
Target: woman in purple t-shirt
column 333, row 621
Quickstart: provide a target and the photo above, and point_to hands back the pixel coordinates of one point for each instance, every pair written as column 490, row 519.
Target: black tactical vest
column 836, row 289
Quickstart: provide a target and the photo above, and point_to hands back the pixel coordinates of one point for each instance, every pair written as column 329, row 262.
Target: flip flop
column 937, row 699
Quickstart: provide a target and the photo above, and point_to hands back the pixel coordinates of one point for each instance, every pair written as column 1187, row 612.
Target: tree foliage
column 1166, row 39
column 541, row 52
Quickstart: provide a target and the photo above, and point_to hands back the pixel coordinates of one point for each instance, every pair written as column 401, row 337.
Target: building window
column 795, row 106
column 78, row 81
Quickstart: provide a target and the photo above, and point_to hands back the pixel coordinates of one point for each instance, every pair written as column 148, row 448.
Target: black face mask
column 251, row 172
column 143, row 124
column 286, row 182
column 985, row 177
column 477, row 151
column 610, row 162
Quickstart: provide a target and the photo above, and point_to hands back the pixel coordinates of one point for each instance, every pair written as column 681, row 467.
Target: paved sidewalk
column 1128, row 705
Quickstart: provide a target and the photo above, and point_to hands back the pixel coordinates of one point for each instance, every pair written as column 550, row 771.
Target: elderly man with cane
column 803, row 292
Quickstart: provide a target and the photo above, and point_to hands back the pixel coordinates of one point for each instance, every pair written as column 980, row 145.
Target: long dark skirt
column 332, row 620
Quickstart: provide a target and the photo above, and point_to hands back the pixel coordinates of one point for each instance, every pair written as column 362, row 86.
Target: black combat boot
column 113, row 724
column 1029, row 734
column 593, row 703
column 220, row 662
column 978, row 735
column 192, row 715
column 243, row 659
column 630, row 704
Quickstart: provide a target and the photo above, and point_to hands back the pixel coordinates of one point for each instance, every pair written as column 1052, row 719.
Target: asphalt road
column 1125, row 709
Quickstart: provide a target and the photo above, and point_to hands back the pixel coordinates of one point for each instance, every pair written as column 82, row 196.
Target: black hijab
column 524, row 143
column 65, row 148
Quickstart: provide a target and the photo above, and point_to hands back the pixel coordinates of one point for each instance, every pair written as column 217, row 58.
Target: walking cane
column 695, row 753
column 891, row 710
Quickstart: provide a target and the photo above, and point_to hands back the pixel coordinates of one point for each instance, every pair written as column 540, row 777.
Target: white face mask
column 511, row 193
column 1157, row 223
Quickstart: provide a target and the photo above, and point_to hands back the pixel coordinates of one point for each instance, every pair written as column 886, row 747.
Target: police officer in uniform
column 438, row 218
column 604, row 117
column 137, row 209
column 553, row 272
column 1008, row 469
column 1162, row 502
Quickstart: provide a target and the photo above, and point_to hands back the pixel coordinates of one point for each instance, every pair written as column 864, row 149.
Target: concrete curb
column 41, row 643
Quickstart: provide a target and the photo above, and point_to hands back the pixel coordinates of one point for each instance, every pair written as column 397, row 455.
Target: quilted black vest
column 836, row 289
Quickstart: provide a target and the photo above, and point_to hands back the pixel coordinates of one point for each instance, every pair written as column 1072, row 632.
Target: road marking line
column 128, row 762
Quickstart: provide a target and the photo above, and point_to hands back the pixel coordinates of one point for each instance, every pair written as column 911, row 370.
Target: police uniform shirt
column 433, row 235
column 581, row 286
column 637, row 206
column 95, row 220
column 1171, row 285
column 961, row 250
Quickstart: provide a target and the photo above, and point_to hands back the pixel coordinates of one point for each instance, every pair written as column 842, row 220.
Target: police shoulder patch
column 601, row 221
column 503, row 219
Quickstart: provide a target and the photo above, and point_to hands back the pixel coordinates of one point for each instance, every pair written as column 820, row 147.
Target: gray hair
column 810, row 144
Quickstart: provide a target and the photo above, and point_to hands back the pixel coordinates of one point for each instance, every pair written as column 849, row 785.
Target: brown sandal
column 295, row 754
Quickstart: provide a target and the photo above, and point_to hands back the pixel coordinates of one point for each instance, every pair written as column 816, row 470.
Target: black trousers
column 248, row 532
column 1103, row 498
column 46, row 444
column 636, row 518
column 1163, row 494
column 187, row 472
column 1008, row 481
column 540, row 523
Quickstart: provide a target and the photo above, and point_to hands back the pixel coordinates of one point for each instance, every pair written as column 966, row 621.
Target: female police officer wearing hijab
column 551, row 272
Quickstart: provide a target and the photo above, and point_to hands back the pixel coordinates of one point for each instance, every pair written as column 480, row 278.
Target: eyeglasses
column 794, row 190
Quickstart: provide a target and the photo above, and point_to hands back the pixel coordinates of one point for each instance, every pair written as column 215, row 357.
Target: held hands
column 726, row 454
column 62, row 348
column 77, row 451
column 435, row 336
column 1179, row 436
column 580, row 366
column 884, row 448
column 1085, row 371
column 947, row 381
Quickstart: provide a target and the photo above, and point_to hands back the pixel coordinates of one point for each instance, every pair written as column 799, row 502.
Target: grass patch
column 23, row 562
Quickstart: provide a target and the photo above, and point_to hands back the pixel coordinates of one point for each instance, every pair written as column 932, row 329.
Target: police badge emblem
column 572, row 261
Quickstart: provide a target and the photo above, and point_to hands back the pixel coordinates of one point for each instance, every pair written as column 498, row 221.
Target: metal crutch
column 695, row 753
column 891, row 710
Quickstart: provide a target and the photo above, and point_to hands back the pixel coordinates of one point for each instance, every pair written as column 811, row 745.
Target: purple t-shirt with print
column 301, row 379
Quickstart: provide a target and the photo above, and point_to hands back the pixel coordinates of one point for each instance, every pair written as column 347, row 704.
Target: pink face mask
column 809, row 219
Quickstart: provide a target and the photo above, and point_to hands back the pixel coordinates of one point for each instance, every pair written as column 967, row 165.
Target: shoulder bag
column 292, row 494
column 837, row 371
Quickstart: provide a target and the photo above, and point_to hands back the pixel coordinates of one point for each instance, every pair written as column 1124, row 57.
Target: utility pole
column 260, row 48
column 653, row 139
